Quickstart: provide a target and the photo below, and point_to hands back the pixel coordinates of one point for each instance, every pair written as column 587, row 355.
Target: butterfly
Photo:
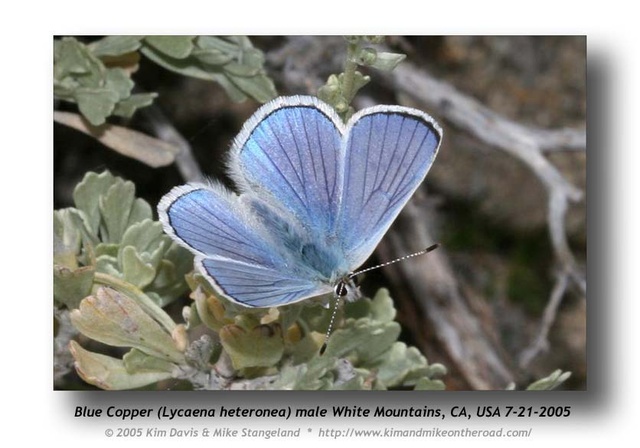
column 314, row 198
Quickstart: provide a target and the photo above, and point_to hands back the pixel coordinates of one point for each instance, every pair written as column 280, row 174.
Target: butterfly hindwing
column 240, row 258
column 257, row 286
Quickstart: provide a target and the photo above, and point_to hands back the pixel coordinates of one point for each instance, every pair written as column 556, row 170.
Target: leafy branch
column 340, row 90
column 97, row 76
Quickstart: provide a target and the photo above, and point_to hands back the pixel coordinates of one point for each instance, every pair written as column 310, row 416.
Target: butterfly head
column 348, row 289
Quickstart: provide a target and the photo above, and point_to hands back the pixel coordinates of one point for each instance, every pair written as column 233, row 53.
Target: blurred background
column 502, row 301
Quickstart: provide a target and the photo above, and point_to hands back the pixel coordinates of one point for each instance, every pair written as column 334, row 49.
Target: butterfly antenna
column 342, row 286
column 333, row 318
column 382, row 265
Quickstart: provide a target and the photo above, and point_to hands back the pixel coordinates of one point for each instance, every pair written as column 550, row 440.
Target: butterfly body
column 314, row 198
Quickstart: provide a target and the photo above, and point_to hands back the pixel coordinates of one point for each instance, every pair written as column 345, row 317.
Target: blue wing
column 258, row 286
column 290, row 154
column 210, row 220
column 389, row 150
column 244, row 261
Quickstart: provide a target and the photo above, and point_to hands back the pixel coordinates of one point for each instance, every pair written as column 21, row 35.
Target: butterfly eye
column 341, row 289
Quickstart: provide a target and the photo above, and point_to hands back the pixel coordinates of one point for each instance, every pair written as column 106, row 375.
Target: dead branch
column 541, row 342
column 526, row 144
column 164, row 130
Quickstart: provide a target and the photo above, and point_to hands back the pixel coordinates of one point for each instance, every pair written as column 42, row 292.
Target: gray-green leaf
column 96, row 103
column 115, row 319
column 111, row 373
column 71, row 286
column 178, row 47
column 115, row 45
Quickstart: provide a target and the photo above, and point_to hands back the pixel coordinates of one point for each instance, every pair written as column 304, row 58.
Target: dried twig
column 525, row 143
column 130, row 143
column 185, row 161
column 520, row 141
column 541, row 342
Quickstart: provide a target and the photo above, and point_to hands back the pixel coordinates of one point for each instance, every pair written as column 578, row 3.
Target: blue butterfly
column 315, row 198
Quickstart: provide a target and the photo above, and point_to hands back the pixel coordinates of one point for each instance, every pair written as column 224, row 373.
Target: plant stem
column 350, row 67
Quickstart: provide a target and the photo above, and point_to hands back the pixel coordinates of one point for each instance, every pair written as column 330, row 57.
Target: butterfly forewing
column 290, row 154
column 389, row 151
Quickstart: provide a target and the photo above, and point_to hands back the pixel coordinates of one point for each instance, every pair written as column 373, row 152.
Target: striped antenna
column 354, row 274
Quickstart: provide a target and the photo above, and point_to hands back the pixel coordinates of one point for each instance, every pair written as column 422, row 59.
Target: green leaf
column 63, row 88
column 218, row 43
column 81, row 77
column 235, row 93
column 212, row 56
column 394, row 365
column 169, row 282
column 145, row 236
column 261, row 347
column 191, row 67
column 387, row 61
column 210, row 310
column 363, row 338
column 136, row 361
column 115, row 45
column 359, row 81
column 259, row 87
column 304, row 350
column 314, row 375
column 186, row 67
column 134, row 269
column 244, row 70
column 118, row 80
column 109, row 265
column 128, row 106
column 115, row 208
column 148, row 305
column 551, row 382
column 382, row 308
column 231, row 62
column 178, row 47
column 252, row 57
column 72, row 59
column 380, row 60
column 71, row 286
column 86, row 195
column 115, row 319
column 355, row 383
column 110, row 373
column 429, row 384
column 110, row 250
column 96, row 103
column 67, row 237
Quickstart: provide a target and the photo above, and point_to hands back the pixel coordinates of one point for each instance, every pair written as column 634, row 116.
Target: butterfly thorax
column 315, row 252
